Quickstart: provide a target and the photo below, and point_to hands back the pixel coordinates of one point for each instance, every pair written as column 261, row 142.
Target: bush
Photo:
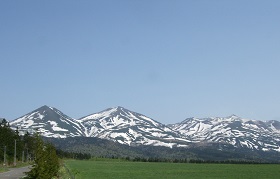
column 46, row 164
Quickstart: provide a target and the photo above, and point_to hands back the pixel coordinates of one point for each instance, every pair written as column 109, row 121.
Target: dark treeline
column 16, row 148
column 13, row 147
column 186, row 160
column 73, row 155
column 231, row 162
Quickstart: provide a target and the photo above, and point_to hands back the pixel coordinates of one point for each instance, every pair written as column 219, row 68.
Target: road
column 14, row 173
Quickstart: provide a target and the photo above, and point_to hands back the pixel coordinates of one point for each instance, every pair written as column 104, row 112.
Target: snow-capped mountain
column 131, row 128
column 126, row 127
column 48, row 121
column 233, row 130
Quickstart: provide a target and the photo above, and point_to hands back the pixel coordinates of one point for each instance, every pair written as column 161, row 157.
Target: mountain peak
column 117, row 111
column 49, row 121
column 45, row 107
column 233, row 116
column 127, row 127
column 110, row 112
column 118, row 108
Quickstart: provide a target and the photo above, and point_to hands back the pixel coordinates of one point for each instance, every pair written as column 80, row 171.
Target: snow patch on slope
column 55, row 127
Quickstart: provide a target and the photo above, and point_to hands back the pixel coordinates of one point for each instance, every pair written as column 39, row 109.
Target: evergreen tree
column 29, row 145
column 46, row 161
column 52, row 160
column 38, row 166
column 20, row 145
column 7, row 137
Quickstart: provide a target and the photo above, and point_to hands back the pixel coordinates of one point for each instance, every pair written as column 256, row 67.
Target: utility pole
column 15, row 156
column 23, row 156
column 4, row 155
column 27, row 155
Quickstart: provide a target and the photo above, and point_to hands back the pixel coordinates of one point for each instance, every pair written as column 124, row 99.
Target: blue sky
column 168, row 59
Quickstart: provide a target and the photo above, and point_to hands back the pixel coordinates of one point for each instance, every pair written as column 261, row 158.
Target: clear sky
column 167, row 59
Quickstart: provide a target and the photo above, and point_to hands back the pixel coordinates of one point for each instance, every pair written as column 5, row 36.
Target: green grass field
column 121, row 169
column 3, row 169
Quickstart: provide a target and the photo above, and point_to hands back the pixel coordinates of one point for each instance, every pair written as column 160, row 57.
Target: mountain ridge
column 253, row 134
column 127, row 127
column 131, row 128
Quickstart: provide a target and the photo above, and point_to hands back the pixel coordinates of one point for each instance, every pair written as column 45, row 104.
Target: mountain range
column 134, row 129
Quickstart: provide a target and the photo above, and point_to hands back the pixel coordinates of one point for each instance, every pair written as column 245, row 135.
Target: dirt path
column 15, row 173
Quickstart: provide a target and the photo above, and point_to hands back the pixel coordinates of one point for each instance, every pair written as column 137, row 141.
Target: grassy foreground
column 3, row 169
column 121, row 169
